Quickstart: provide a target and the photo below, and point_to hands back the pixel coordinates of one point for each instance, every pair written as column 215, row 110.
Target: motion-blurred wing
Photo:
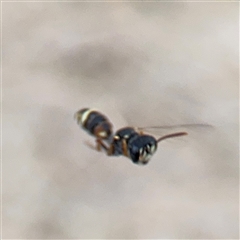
column 156, row 130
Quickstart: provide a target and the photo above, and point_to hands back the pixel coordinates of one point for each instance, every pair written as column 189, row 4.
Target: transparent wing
column 186, row 127
column 193, row 125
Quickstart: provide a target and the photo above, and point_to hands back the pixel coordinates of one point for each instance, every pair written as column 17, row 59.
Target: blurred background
column 141, row 64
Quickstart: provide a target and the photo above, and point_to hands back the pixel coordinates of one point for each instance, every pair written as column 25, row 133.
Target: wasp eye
column 134, row 153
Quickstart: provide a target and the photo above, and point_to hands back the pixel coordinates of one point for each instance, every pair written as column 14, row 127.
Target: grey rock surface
column 141, row 64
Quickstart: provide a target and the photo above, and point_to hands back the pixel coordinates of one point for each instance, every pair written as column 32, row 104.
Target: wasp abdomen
column 94, row 123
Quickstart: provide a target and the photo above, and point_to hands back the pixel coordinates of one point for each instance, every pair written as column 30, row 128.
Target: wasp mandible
column 128, row 141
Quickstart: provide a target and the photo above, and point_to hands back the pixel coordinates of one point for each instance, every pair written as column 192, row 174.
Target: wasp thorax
column 141, row 148
column 121, row 138
column 94, row 123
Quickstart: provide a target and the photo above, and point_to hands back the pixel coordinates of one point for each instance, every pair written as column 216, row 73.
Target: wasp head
column 141, row 148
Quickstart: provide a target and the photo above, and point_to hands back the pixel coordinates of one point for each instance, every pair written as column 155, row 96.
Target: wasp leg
column 90, row 145
column 110, row 150
column 124, row 148
column 100, row 145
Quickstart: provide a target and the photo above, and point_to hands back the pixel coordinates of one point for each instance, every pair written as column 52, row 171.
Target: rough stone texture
column 142, row 64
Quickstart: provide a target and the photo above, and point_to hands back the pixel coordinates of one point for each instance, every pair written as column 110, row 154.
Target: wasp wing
column 156, row 130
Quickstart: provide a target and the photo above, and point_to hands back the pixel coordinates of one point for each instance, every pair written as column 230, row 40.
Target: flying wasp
column 130, row 142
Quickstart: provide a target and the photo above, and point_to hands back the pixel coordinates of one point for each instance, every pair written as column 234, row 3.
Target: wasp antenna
column 178, row 134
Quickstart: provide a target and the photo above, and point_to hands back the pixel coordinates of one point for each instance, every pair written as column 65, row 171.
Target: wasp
column 128, row 141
